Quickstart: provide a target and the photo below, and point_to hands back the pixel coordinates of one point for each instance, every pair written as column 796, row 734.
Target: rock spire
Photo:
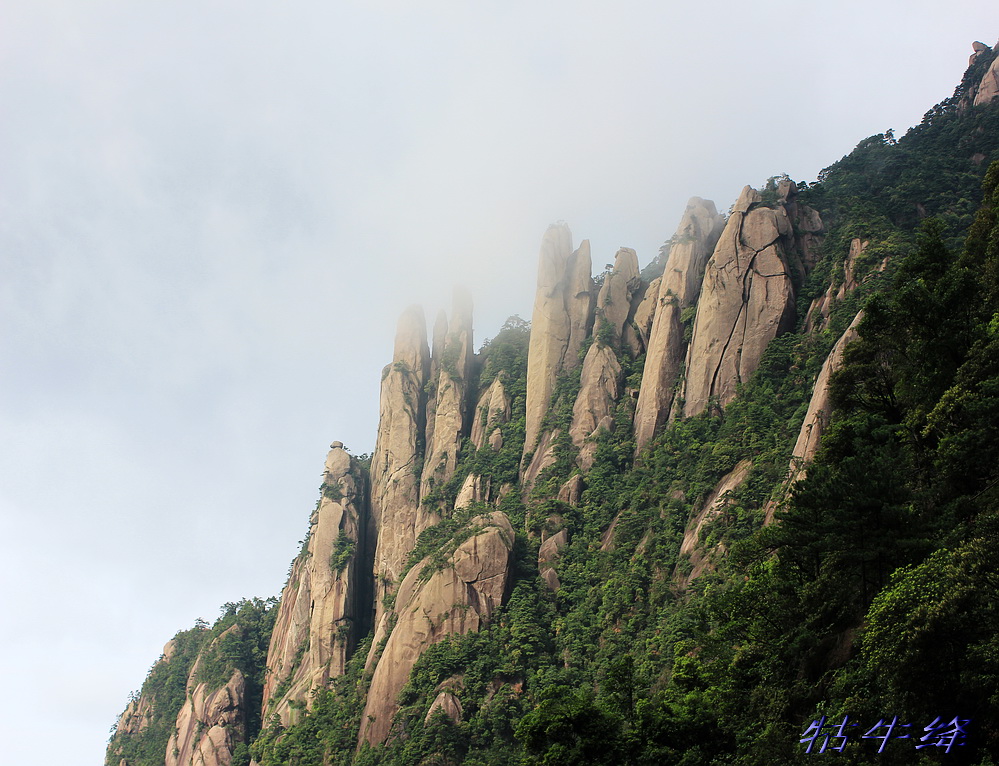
column 678, row 289
column 747, row 299
column 562, row 320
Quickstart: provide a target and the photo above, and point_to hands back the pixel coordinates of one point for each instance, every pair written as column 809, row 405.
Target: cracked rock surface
column 747, row 299
column 455, row 599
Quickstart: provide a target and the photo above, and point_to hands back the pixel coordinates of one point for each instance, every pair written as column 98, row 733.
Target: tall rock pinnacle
column 395, row 479
column 747, row 299
column 679, row 286
column 326, row 605
column 562, row 319
column 450, row 399
column 614, row 299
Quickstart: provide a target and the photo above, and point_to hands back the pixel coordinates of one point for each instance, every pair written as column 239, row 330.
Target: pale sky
column 212, row 213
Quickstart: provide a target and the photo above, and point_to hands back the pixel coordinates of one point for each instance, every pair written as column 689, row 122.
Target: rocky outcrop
column 572, row 490
column 548, row 556
column 450, row 404
column 988, row 88
column 600, row 387
column 747, row 299
column 715, row 504
column 436, row 352
column 456, row 599
column 543, row 457
column 211, row 723
column 561, row 321
column 491, row 412
column 679, row 287
column 475, row 489
column 614, row 298
column 639, row 327
column 326, row 605
column 806, row 224
column 448, row 704
column 139, row 712
column 977, row 49
column 395, row 478
column 817, row 416
column 818, row 313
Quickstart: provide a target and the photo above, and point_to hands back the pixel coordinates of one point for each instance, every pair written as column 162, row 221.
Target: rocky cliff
column 436, row 600
column 562, row 320
column 747, row 299
column 326, row 607
column 816, row 418
column 399, row 448
column 210, row 725
column 678, row 289
column 521, row 571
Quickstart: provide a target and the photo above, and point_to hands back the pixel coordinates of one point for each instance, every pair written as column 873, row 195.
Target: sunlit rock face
column 326, row 605
column 457, row 598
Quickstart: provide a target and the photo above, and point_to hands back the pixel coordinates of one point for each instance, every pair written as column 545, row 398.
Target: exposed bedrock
column 561, row 321
column 747, row 299
column 678, row 289
column 457, row 598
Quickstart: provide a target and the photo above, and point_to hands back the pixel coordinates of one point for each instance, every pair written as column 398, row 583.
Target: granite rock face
column 679, row 287
column 448, row 704
column 211, row 723
column 809, row 231
column 817, row 416
column 458, row 598
column 747, row 299
column 600, row 387
column 715, row 504
column 326, row 605
column 561, row 321
column 543, row 457
column 988, row 88
column 492, row 411
column 395, row 482
column 643, row 309
column 818, row 313
column 614, row 298
column 450, row 404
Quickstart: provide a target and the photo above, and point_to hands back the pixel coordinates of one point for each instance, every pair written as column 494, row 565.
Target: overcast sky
column 212, row 213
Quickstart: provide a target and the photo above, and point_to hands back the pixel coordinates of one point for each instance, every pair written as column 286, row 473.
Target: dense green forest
column 866, row 614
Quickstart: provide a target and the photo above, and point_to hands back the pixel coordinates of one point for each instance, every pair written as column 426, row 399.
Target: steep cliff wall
column 399, row 448
column 817, row 417
column 614, row 299
column 210, row 725
column 678, row 289
column 600, row 387
column 450, row 401
column 492, row 410
column 747, row 299
column 562, row 320
column 435, row 603
column 327, row 604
